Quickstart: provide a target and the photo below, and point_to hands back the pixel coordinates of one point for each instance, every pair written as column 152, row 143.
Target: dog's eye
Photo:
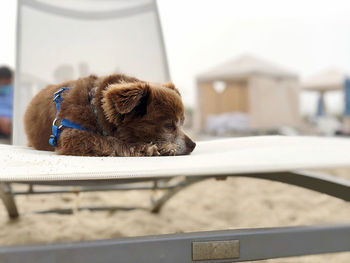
column 170, row 126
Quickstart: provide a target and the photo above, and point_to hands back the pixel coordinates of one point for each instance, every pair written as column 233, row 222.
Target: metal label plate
column 210, row 250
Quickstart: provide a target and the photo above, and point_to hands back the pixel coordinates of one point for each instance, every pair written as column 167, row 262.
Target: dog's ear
column 171, row 85
column 122, row 98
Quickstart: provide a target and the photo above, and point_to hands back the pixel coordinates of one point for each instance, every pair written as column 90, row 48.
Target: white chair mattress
column 217, row 157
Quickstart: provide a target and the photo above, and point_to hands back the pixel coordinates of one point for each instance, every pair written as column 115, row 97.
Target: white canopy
column 326, row 80
column 244, row 66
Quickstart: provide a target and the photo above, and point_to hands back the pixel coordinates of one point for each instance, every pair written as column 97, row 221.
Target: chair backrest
column 67, row 39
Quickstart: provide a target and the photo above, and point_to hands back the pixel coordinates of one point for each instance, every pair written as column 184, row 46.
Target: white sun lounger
column 273, row 158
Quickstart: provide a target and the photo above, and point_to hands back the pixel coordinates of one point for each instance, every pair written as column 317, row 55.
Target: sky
column 303, row 36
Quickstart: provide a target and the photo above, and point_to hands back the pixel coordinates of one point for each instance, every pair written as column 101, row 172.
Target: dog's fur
column 123, row 115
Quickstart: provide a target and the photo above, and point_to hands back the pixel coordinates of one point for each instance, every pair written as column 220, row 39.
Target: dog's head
column 145, row 112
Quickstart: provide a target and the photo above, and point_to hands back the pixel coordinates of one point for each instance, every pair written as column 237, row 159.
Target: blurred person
column 6, row 100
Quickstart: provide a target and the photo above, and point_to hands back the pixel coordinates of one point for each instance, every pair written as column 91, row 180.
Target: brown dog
column 122, row 116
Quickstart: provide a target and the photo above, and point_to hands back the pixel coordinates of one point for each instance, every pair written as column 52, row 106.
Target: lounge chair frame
column 252, row 244
column 329, row 185
column 214, row 246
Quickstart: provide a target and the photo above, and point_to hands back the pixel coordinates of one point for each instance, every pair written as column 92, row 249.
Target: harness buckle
column 54, row 124
column 56, row 96
column 60, row 91
column 53, row 140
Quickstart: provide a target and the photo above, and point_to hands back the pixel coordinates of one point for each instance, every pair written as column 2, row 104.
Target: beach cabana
column 267, row 94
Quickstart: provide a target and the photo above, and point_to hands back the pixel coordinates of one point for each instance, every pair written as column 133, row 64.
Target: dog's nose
column 191, row 146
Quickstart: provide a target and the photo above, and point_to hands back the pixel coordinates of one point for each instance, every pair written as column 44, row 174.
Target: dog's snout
column 190, row 145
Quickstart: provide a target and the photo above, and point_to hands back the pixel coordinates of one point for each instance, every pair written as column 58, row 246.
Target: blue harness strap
column 56, row 129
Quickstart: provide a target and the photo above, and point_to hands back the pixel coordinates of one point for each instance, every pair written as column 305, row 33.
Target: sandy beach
column 209, row 205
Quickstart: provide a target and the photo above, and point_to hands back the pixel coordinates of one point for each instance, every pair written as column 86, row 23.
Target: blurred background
column 243, row 67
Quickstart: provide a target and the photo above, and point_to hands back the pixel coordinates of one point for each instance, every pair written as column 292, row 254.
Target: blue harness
column 56, row 130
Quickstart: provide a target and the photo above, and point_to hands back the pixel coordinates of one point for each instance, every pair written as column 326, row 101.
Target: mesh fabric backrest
column 63, row 40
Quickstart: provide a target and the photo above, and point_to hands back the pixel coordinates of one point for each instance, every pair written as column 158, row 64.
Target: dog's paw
column 149, row 149
column 168, row 149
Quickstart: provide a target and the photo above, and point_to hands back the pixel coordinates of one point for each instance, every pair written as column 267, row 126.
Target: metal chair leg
column 8, row 200
column 159, row 203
